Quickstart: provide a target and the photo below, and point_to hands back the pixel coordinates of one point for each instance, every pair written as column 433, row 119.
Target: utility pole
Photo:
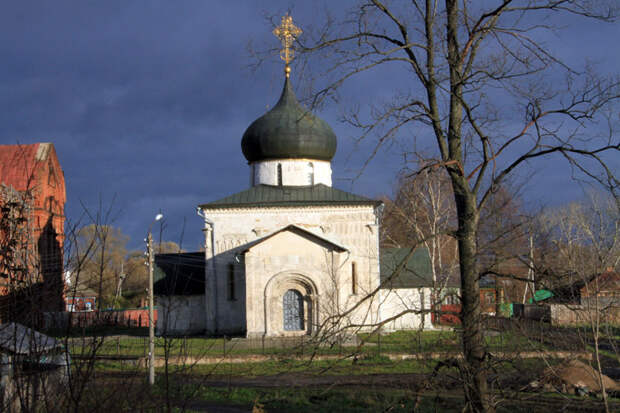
column 119, row 288
column 530, row 274
column 149, row 244
column 151, row 326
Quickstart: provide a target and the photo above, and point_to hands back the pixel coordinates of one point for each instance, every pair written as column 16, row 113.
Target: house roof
column 487, row 282
column 17, row 163
column 300, row 231
column 19, row 339
column 273, row 196
column 179, row 274
column 415, row 274
column 572, row 286
column 606, row 281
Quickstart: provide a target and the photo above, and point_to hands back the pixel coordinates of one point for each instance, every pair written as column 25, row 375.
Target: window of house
column 489, row 298
column 353, row 278
column 451, row 299
column 279, row 174
column 231, row 282
column 51, row 178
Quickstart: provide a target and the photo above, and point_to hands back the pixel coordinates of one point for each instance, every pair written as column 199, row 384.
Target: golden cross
column 287, row 32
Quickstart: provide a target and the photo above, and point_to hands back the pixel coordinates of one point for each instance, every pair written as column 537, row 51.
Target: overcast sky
column 146, row 102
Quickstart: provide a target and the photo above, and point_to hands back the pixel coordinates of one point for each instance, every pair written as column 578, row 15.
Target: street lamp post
column 149, row 243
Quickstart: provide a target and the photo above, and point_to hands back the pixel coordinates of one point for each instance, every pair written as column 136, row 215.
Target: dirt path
column 305, row 380
column 258, row 358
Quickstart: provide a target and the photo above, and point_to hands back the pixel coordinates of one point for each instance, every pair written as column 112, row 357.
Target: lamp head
column 158, row 217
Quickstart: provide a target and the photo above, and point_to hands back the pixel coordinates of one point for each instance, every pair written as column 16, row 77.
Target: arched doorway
column 291, row 305
column 293, row 311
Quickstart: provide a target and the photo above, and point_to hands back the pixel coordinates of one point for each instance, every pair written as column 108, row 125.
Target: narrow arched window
column 293, row 311
column 279, row 174
column 310, row 173
column 353, row 278
column 231, row 282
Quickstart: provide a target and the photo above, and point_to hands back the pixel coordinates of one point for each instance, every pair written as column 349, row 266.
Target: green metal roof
column 541, row 295
column 416, row 274
column 288, row 131
column 179, row 274
column 272, row 196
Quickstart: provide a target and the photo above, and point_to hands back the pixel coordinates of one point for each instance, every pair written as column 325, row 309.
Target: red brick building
column 32, row 198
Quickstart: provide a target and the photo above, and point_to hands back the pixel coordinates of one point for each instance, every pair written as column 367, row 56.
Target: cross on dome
column 287, row 32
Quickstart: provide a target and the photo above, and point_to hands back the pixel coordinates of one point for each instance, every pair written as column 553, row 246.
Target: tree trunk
column 474, row 372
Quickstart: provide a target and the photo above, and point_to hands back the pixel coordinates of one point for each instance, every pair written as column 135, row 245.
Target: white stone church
column 290, row 254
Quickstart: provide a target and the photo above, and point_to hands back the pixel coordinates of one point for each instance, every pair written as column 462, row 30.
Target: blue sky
column 146, row 102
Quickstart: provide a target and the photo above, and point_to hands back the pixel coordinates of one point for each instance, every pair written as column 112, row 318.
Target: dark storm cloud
column 147, row 101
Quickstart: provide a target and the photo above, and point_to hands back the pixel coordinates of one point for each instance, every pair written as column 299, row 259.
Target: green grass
column 321, row 400
column 347, row 400
column 187, row 383
column 445, row 340
column 410, row 342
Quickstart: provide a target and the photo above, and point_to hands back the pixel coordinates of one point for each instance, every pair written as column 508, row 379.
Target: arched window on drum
column 279, row 174
column 310, row 173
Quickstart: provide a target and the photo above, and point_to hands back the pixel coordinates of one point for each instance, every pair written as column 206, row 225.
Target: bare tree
column 466, row 68
column 581, row 254
column 422, row 213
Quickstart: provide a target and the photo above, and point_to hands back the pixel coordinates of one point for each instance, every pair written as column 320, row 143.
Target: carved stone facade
column 269, row 251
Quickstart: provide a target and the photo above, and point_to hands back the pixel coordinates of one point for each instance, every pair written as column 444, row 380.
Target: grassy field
column 406, row 342
column 354, row 379
column 316, row 400
column 192, row 391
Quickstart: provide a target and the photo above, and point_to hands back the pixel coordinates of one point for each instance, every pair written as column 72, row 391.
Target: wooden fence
column 130, row 318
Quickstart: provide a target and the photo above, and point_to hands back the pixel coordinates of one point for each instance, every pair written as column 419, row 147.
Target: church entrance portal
column 293, row 311
column 290, row 305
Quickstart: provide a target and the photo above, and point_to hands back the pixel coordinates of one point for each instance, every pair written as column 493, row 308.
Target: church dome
column 288, row 131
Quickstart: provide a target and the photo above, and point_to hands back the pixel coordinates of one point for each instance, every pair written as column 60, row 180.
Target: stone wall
column 353, row 227
column 568, row 314
column 181, row 314
column 414, row 305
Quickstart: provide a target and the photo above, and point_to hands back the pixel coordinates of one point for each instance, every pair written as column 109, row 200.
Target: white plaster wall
column 354, row 227
column 230, row 314
column 294, row 172
column 180, row 314
column 398, row 300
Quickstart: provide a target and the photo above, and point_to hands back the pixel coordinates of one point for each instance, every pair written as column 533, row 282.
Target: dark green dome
column 288, row 131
